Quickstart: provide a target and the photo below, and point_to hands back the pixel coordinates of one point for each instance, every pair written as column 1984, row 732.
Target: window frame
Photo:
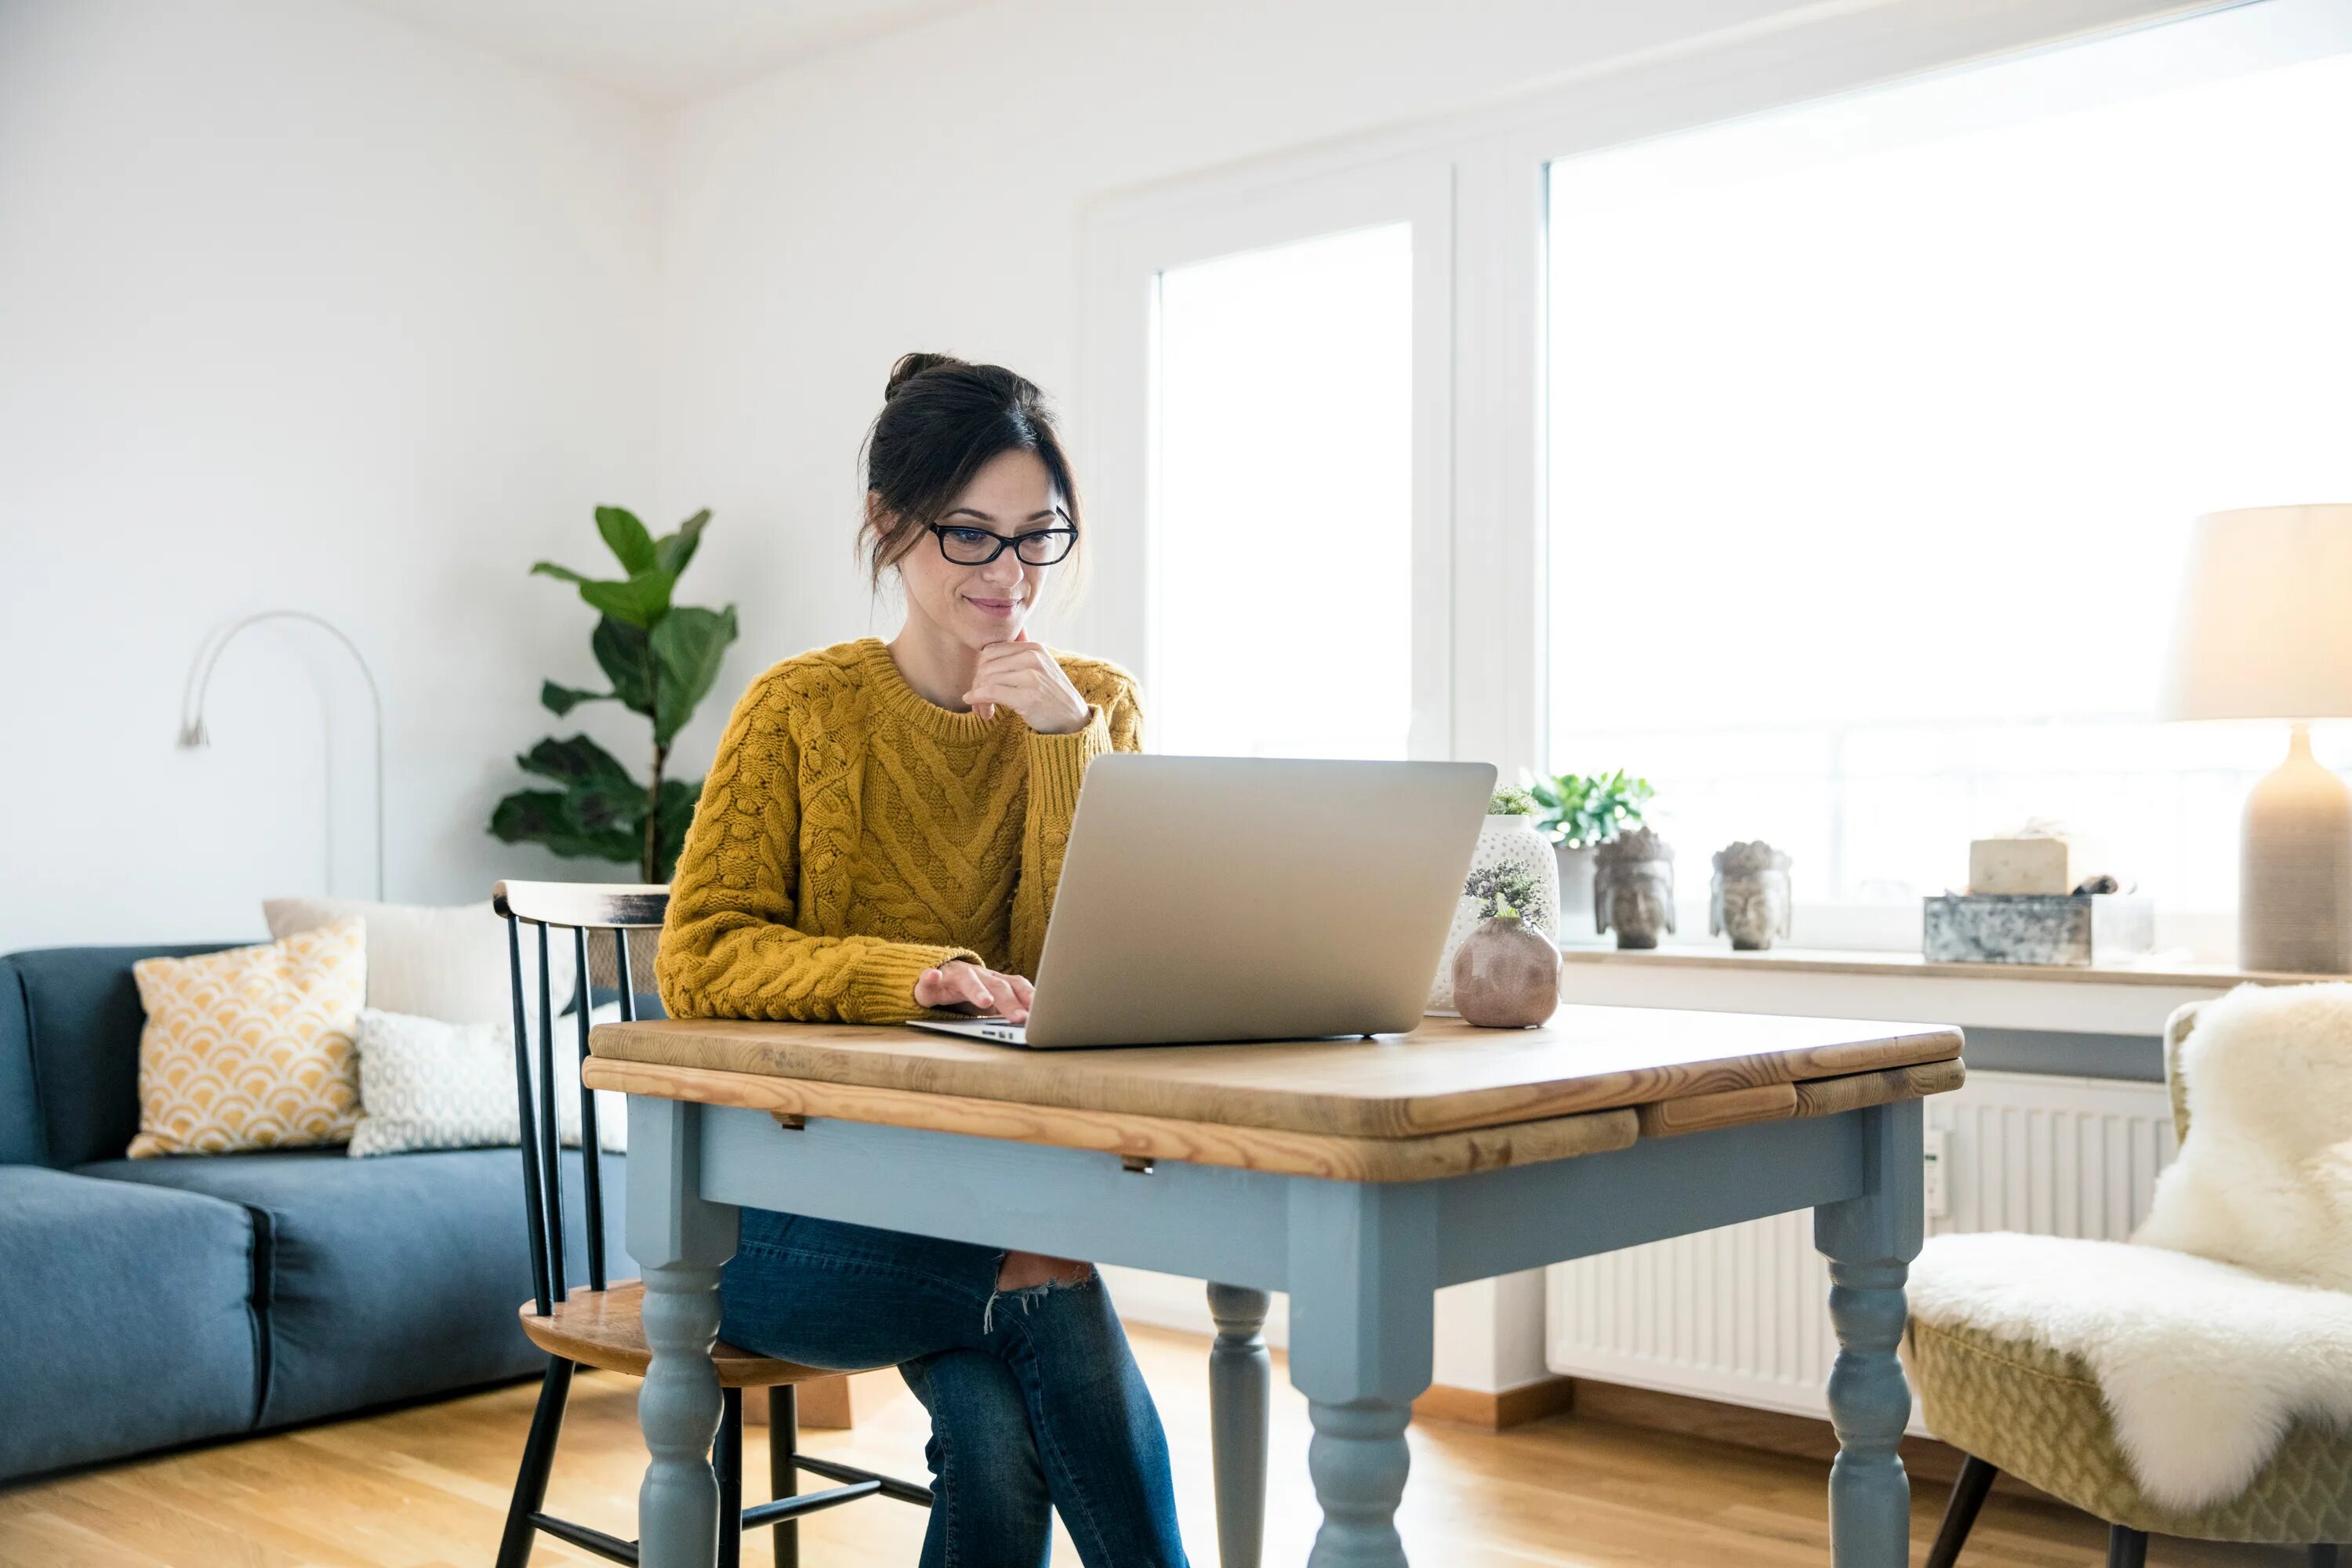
column 1482, row 616
column 1129, row 246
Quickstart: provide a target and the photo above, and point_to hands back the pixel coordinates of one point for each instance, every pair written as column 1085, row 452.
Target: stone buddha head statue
column 1749, row 898
column 1634, row 887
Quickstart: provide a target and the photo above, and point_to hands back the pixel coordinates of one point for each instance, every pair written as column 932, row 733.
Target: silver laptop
column 1249, row 899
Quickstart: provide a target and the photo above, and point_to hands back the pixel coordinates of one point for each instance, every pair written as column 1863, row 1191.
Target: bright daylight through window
column 1876, row 429
column 1282, row 521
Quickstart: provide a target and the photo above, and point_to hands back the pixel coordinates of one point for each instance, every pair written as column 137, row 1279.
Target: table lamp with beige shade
column 2264, row 631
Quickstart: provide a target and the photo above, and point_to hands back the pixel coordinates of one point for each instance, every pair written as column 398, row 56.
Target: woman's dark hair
column 942, row 419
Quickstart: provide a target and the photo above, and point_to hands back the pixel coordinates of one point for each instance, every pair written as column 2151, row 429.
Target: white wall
column 924, row 192
column 298, row 306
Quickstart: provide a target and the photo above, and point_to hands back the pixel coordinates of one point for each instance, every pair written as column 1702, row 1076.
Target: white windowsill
column 2096, row 999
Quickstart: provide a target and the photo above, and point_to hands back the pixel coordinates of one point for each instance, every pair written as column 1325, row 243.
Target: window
column 1284, row 457
column 1875, row 428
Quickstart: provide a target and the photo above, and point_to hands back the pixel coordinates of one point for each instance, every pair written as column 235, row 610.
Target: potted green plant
column 1506, row 973
column 661, row 659
column 1581, row 812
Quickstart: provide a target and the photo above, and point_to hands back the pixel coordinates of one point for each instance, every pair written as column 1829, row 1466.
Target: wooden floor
column 428, row 1487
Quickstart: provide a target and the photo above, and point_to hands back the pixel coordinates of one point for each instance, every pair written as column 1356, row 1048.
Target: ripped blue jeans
column 1035, row 1397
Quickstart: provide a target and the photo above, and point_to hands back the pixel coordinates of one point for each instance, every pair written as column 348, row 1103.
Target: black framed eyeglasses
column 968, row 546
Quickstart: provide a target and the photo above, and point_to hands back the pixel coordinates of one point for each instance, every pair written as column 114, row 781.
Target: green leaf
column 577, row 760
column 641, row 601
column 549, row 569
column 678, row 802
column 673, row 550
column 562, row 699
column 688, row 644
column 546, row 816
column 626, row 657
column 596, row 807
column 626, row 538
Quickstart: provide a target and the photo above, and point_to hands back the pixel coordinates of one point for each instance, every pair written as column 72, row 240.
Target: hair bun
column 912, row 365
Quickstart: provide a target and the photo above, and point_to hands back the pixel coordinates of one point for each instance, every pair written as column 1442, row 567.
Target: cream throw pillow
column 424, row 1084
column 251, row 1048
column 434, row 961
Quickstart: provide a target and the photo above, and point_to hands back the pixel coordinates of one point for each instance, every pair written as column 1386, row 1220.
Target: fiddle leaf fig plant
column 660, row 660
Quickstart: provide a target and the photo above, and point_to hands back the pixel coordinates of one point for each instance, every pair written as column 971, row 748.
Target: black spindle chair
column 601, row 1325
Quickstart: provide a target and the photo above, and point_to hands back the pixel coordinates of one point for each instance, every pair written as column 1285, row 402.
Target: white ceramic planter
column 1512, row 841
column 1575, row 892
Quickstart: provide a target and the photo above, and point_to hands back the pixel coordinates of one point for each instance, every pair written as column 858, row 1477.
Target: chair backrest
column 2177, row 1030
column 578, row 908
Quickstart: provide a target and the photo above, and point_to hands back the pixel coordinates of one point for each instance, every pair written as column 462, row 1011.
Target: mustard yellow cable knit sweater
column 853, row 834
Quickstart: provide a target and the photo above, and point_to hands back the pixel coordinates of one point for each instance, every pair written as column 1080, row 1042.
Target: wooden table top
column 1672, row 1071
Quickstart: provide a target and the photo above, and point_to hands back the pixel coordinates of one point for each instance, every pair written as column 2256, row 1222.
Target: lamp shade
column 2265, row 625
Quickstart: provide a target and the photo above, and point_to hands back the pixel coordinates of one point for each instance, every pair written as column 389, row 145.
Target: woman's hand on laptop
column 959, row 984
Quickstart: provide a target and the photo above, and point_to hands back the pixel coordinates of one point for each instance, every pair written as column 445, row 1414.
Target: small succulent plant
column 1512, row 801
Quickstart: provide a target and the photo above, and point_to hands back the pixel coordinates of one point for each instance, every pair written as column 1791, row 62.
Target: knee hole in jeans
column 1030, row 1270
column 1055, row 1274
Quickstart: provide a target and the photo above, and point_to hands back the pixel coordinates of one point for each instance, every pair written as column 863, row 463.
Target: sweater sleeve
column 1057, row 765
column 729, row 946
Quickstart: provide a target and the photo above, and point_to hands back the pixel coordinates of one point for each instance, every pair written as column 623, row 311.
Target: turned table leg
column 1363, row 1286
column 679, row 1241
column 1870, row 1241
column 1240, row 1405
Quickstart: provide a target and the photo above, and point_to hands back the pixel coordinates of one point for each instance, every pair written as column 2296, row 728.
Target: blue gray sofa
column 145, row 1303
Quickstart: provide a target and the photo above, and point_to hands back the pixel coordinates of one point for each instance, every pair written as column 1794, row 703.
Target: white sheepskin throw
column 2265, row 1178
column 2230, row 1311
column 2201, row 1365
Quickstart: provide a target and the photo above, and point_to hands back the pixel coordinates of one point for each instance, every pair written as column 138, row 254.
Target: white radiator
column 1741, row 1314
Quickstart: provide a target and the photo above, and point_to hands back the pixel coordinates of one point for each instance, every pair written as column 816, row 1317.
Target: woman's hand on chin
column 962, row 986
column 1026, row 677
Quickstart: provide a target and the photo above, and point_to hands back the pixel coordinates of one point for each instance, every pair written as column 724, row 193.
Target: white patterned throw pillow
column 424, row 1084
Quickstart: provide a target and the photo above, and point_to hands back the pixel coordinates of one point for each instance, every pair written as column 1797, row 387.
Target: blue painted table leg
column 1240, row 1405
column 679, row 1240
column 1870, row 1242
column 1363, row 1284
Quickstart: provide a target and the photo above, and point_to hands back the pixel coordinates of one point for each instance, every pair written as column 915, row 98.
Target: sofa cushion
column 427, row 1084
column 386, row 1279
column 129, row 1321
column 251, row 1048
column 433, row 961
column 22, row 1142
column 80, row 1022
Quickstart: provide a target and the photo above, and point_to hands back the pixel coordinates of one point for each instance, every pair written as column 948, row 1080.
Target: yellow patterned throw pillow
column 251, row 1048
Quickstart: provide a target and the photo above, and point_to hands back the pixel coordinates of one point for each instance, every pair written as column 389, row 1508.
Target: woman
column 880, row 834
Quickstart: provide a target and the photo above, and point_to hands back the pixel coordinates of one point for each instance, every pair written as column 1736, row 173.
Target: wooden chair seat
column 606, row 1328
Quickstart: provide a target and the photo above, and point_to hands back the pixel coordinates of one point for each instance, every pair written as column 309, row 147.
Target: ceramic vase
column 1575, row 892
column 1506, row 975
column 1510, row 847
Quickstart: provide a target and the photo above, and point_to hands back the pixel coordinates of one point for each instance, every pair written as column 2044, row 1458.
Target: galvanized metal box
column 2036, row 928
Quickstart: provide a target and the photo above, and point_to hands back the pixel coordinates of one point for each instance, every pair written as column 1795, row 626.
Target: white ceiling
column 664, row 52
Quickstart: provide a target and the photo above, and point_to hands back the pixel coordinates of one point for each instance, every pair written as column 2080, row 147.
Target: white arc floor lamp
column 2264, row 631
column 192, row 717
